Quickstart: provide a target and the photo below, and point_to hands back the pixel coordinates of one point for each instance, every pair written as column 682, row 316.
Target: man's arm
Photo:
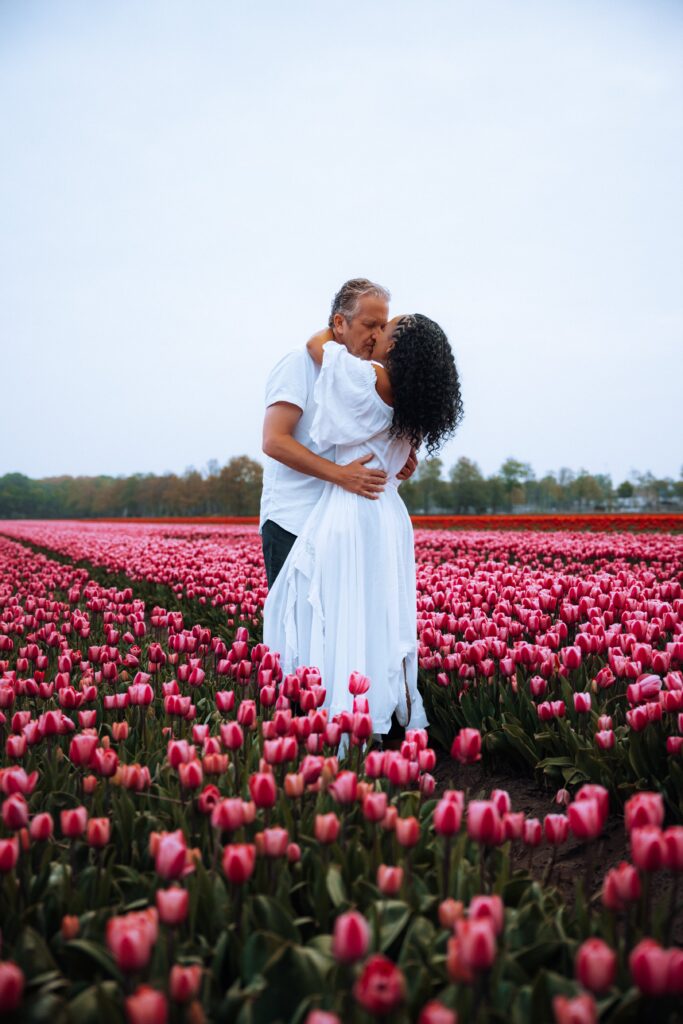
column 278, row 426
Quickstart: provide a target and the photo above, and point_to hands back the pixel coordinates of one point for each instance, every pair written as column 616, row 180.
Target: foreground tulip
column 98, row 832
column 621, row 887
column 466, row 747
column 435, row 1012
column 484, row 824
column 351, row 937
column 585, row 819
column 73, row 822
column 381, row 987
column 184, row 982
column 579, row 1010
column 41, row 827
column 477, row 938
column 171, row 855
column 9, row 854
column 596, row 965
column 239, row 860
column 15, row 812
column 649, row 966
column 389, row 879
column 489, row 907
column 673, row 847
column 326, row 828
column 11, row 986
column 173, row 905
column 447, row 818
column 146, row 1006
column 647, row 848
column 263, row 789
column 131, row 938
column 644, row 809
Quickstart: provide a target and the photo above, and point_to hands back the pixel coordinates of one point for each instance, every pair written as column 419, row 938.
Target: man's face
column 360, row 334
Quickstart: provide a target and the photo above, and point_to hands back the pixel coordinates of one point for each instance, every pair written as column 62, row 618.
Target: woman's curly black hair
column 424, row 382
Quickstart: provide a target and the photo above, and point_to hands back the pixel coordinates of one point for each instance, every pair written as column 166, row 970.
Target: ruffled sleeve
column 348, row 408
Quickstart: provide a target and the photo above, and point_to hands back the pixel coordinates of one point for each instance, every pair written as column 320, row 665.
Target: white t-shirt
column 289, row 496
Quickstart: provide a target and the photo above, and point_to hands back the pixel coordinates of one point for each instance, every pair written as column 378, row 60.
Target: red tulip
column 502, row 801
column 477, row 939
column 381, row 987
column 447, row 818
column 582, row 703
column 81, row 748
column 184, row 982
column 275, row 841
column 41, row 827
column 466, row 747
column 326, row 828
column 98, row 832
column 9, row 854
column 173, row 905
column 435, row 1012
column 484, row 824
column 104, row 762
column 238, row 862
column 225, row 700
column 389, row 879
column 375, row 806
column 15, row 812
column 533, row 833
column 228, row 814
column 191, row 775
column 73, row 822
column 673, row 848
column 16, row 747
column 407, row 831
column 585, row 819
column 322, row 1017
column 11, row 986
column 170, row 858
column 351, row 937
column 596, row 965
column 146, row 1006
column 605, row 739
column 513, row 825
column 621, row 887
column 644, row 809
column 489, row 907
column 344, row 787
column 131, row 938
column 556, row 828
column 579, row 1010
column 649, row 966
column 263, row 789
column 648, row 850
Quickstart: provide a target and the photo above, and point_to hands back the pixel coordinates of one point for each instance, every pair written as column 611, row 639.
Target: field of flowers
column 186, row 836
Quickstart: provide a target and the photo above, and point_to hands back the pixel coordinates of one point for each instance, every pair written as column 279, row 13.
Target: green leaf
column 94, row 953
column 393, row 916
column 335, row 885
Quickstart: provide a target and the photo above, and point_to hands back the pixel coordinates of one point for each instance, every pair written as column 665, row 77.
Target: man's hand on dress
column 409, row 468
column 354, row 477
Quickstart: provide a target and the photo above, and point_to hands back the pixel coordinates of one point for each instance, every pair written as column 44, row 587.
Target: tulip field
column 187, row 836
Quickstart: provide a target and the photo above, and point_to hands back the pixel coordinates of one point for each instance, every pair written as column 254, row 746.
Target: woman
column 345, row 599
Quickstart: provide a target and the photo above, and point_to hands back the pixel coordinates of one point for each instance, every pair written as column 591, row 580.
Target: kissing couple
column 345, row 417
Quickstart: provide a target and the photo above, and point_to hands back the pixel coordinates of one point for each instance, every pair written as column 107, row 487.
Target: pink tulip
column 466, row 747
column 649, row 966
column 484, row 824
column 596, row 965
column 389, row 879
column 172, row 905
column 648, row 850
column 11, row 986
column 351, row 938
column 146, row 1006
column 184, row 982
column 579, row 1010
column 239, row 860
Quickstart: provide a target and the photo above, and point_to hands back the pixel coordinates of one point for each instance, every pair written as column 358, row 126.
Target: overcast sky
column 183, row 187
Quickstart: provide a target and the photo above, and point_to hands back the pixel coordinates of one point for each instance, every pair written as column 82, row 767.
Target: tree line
column 235, row 489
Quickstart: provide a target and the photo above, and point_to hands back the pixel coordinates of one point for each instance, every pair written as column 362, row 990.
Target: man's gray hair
column 347, row 299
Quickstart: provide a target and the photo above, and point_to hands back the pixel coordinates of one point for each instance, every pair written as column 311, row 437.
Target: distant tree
column 426, row 492
column 468, row 487
column 625, row 489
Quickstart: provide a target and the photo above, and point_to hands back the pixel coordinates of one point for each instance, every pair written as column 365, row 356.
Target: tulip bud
column 389, row 879
column 351, row 937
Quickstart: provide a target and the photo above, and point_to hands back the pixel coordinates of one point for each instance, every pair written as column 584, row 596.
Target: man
column 296, row 469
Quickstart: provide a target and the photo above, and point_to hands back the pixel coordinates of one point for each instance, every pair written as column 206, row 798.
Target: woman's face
column 385, row 340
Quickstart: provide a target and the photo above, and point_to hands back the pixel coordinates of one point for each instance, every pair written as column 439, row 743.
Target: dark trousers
column 277, row 543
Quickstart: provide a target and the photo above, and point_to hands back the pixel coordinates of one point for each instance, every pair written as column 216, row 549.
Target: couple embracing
column 345, row 416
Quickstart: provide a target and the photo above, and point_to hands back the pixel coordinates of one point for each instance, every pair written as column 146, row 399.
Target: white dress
column 345, row 598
